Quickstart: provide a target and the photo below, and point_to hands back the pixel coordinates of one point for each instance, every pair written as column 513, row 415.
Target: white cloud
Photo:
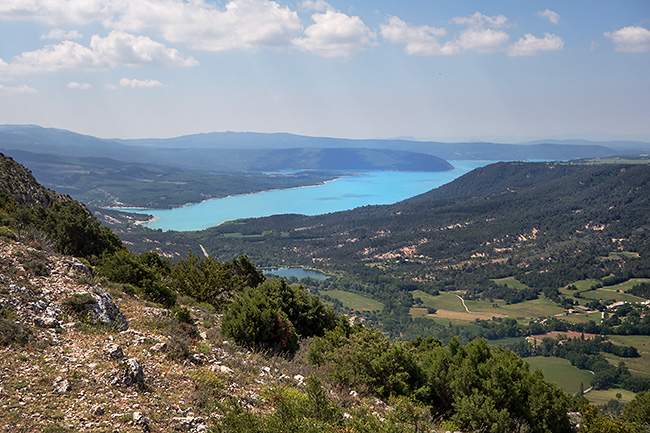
column 135, row 83
column 336, row 34
column 243, row 24
column 632, row 39
column 60, row 34
column 419, row 40
column 58, row 12
column 80, row 86
column 530, row 45
column 316, row 5
column 480, row 40
column 480, row 20
column 553, row 17
column 480, row 35
column 66, row 56
column 24, row 89
column 118, row 48
column 483, row 34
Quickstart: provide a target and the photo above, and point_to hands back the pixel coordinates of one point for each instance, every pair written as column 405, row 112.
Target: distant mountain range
column 231, row 151
column 174, row 171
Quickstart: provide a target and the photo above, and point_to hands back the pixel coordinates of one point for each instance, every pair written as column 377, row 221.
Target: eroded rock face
column 61, row 385
column 189, row 424
column 132, row 374
column 113, row 351
column 105, row 311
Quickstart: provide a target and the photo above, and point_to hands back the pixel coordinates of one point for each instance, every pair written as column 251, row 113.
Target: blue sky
column 437, row 69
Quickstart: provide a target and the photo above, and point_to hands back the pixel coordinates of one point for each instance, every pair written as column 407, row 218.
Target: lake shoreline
column 127, row 208
column 344, row 192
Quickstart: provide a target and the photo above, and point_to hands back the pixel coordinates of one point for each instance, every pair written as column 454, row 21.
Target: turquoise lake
column 349, row 192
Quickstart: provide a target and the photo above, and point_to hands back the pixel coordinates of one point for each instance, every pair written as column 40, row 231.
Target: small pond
column 299, row 273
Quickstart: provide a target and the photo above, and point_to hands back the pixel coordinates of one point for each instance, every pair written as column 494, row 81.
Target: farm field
column 506, row 341
column 449, row 306
column 601, row 396
column 561, row 372
column 511, row 282
column 610, row 294
column 613, row 293
column 353, row 300
column 639, row 365
column 596, row 316
column 540, row 307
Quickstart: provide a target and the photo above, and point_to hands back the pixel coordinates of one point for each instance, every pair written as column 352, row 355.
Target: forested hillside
column 499, row 219
column 150, row 353
column 544, row 225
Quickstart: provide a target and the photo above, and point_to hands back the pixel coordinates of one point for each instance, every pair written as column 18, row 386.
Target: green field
column 583, row 317
column 610, row 293
column 540, row 307
column 444, row 301
column 354, row 301
column 601, row 396
column 450, row 303
column 580, row 285
column 506, row 341
column 561, row 372
column 636, row 365
column 511, row 282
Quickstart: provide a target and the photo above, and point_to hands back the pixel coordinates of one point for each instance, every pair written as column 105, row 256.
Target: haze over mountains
column 231, row 151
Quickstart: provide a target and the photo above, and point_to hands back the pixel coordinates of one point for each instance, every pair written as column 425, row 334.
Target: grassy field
column 618, row 160
column 354, row 301
column 580, row 285
column 506, row 341
column 540, row 307
column 511, row 282
column 444, row 301
column 583, row 317
column 561, row 372
column 636, row 365
column 601, row 396
column 613, row 293
column 450, row 307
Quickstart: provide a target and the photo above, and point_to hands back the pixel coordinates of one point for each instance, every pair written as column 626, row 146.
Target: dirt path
column 205, row 253
column 463, row 301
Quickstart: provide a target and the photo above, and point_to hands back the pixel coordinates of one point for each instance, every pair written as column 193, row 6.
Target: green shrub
column 637, row 412
column 6, row 232
column 254, row 320
column 207, row 280
column 182, row 314
column 274, row 316
column 126, row 268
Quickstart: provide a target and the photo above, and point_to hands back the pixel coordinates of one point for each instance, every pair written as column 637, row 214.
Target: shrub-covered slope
column 133, row 343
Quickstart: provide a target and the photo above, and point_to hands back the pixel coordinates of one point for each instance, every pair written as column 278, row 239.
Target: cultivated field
column 561, row 372
column 353, row 300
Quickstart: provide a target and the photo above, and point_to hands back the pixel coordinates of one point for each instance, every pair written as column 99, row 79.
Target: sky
column 449, row 70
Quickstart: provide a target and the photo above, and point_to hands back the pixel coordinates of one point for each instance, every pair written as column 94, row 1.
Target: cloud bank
column 632, row 39
column 481, row 34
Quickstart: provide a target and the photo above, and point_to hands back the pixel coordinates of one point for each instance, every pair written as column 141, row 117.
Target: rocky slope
column 78, row 354
column 116, row 365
